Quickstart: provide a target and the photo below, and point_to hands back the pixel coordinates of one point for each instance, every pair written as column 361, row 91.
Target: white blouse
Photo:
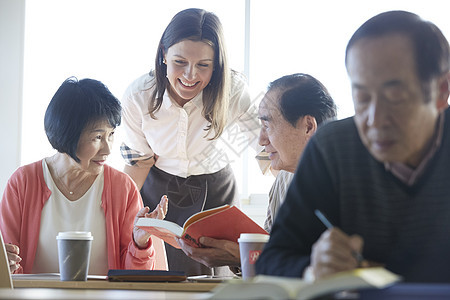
column 61, row 214
column 177, row 135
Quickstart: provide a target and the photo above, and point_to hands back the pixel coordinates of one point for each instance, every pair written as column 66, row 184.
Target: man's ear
column 444, row 91
column 309, row 123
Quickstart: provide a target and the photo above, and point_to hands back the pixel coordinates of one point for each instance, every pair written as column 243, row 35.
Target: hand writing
column 334, row 252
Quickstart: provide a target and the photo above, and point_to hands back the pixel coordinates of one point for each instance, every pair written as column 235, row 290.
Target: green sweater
column 407, row 228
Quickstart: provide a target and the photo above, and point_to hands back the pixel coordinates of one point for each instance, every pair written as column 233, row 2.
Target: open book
column 271, row 287
column 225, row 223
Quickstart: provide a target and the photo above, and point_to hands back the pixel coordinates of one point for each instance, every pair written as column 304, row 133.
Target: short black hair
column 75, row 105
column 301, row 95
column 431, row 48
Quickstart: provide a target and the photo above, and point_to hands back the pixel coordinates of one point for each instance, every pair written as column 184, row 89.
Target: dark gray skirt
column 188, row 196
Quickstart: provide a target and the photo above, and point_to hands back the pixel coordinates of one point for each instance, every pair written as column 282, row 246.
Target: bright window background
column 115, row 42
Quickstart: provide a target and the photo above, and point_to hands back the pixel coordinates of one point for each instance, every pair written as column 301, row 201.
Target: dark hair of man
column 76, row 105
column 431, row 48
column 196, row 25
column 301, row 95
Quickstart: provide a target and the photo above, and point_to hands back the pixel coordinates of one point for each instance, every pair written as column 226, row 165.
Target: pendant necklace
column 62, row 183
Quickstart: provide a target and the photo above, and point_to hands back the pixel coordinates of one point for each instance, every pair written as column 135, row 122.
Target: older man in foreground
column 382, row 176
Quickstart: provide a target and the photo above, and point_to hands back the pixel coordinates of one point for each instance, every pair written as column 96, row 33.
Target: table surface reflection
column 47, row 288
column 72, row 294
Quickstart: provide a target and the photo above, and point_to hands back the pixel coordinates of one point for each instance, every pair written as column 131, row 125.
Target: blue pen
column 329, row 225
column 324, row 219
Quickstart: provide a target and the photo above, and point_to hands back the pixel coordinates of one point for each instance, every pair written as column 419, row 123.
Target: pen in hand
column 329, row 225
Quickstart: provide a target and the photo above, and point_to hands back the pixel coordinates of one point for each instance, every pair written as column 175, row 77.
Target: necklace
column 71, row 192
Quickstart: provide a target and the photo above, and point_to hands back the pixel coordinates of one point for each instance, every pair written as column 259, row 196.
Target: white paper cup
column 250, row 247
column 74, row 252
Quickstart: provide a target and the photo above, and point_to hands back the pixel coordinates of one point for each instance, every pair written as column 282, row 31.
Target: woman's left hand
column 141, row 236
column 14, row 259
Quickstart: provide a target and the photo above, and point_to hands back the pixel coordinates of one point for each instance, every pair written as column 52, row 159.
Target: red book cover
column 224, row 223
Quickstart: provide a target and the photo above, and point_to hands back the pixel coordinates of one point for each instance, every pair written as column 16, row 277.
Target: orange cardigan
column 26, row 193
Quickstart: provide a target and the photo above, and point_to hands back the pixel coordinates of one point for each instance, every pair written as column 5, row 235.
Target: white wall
column 12, row 21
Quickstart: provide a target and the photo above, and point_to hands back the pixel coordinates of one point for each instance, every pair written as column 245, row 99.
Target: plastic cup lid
column 74, row 235
column 254, row 237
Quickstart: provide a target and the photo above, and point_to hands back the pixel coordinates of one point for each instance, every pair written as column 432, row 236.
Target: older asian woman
column 74, row 190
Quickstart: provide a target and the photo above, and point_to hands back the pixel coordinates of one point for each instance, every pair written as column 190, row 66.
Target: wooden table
column 89, row 294
column 107, row 285
column 32, row 289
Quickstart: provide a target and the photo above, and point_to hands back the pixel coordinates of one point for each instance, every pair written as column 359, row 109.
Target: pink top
column 26, row 194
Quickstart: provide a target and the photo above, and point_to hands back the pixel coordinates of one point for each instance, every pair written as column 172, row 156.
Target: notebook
column 5, row 275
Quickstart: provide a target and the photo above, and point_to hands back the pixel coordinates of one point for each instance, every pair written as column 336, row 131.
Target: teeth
column 187, row 84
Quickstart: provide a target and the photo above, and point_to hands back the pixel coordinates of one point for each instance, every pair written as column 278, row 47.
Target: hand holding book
column 214, row 253
column 222, row 223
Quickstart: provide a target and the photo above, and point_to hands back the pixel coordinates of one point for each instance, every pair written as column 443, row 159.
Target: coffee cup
column 74, row 252
column 250, row 247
